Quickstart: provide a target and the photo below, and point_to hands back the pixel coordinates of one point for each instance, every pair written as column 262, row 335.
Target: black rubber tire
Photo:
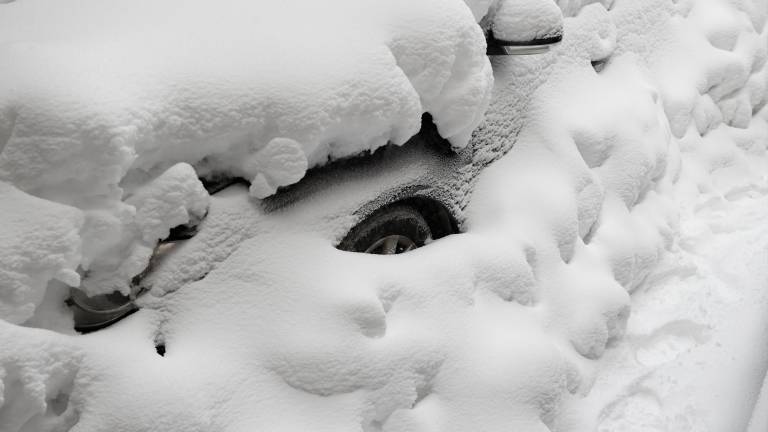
column 94, row 313
column 397, row 219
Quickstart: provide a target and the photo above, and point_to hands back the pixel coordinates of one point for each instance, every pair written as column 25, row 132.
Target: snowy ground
column 610, row 276
column 694, row 354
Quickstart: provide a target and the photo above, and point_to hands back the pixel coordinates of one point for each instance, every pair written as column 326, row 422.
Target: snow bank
column 40, row 243
column 685, row 352
column 37, row 379
column 517, row 21
column 685, row 363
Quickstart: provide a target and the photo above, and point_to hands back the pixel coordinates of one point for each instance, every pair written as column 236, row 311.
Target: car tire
column 391, row 230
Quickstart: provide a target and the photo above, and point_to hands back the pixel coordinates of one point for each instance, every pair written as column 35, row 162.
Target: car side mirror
column 522, row 27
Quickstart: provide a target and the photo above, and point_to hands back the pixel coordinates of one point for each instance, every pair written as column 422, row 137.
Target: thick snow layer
column 174, row 198
column 93, row 88
column 694, row 355
column 40, row 242
column 610, row 277
column 518, row 20
column 116, row 250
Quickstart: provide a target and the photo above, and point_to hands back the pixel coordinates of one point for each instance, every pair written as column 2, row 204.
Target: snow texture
column 627, row 173
column 518, row 20
column 82, row 92
column 40, row 243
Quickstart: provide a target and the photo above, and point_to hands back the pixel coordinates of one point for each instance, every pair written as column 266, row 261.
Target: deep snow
column 610, row 277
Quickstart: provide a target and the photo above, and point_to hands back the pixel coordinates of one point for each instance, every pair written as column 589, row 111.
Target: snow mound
column 515, row 20
column 518, row 20
column 37, row 381
column 81, row 94
column 40, row 242
column 119, row 248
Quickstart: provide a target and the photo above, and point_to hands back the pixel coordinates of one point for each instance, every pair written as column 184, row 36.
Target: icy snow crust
column 596, row 179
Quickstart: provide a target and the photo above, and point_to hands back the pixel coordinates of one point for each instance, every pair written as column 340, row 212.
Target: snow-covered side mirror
column 520, row 27
column 91, row 313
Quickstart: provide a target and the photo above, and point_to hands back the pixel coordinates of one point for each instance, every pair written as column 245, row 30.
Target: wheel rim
column 391, row 245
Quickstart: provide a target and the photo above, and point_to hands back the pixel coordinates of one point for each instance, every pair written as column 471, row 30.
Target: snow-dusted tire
column 398, row 226
column 94, row 313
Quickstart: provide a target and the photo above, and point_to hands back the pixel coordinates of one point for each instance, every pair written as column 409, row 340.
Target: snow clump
column 40, row 243
column 518, row 20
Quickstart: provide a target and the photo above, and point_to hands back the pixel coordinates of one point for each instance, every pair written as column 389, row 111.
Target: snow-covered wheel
column 94, row 313
column 391, row 230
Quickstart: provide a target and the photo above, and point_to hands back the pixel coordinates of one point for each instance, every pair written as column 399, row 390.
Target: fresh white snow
column 40, row 242
column 611, row 275
column 518, row 20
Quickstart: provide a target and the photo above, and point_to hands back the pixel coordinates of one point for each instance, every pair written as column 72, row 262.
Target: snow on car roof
column 261, row 89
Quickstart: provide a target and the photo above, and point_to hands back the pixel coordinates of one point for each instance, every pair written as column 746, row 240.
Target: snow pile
column 595, row 181
column 518, row 20
column 37, row 381
column 40, row 243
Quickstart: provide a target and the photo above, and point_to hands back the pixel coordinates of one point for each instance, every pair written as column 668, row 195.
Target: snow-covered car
column 627, row 175
column 435, row 168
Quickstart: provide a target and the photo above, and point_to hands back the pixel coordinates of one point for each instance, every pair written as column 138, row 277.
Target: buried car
column 422, row 202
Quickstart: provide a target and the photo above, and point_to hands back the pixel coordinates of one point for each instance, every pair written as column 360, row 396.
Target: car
column 417, row 192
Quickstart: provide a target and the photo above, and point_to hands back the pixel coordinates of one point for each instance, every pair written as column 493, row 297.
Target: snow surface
column 610, row 277
column 518, row 20
column 40, row 242
column 526, row 20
